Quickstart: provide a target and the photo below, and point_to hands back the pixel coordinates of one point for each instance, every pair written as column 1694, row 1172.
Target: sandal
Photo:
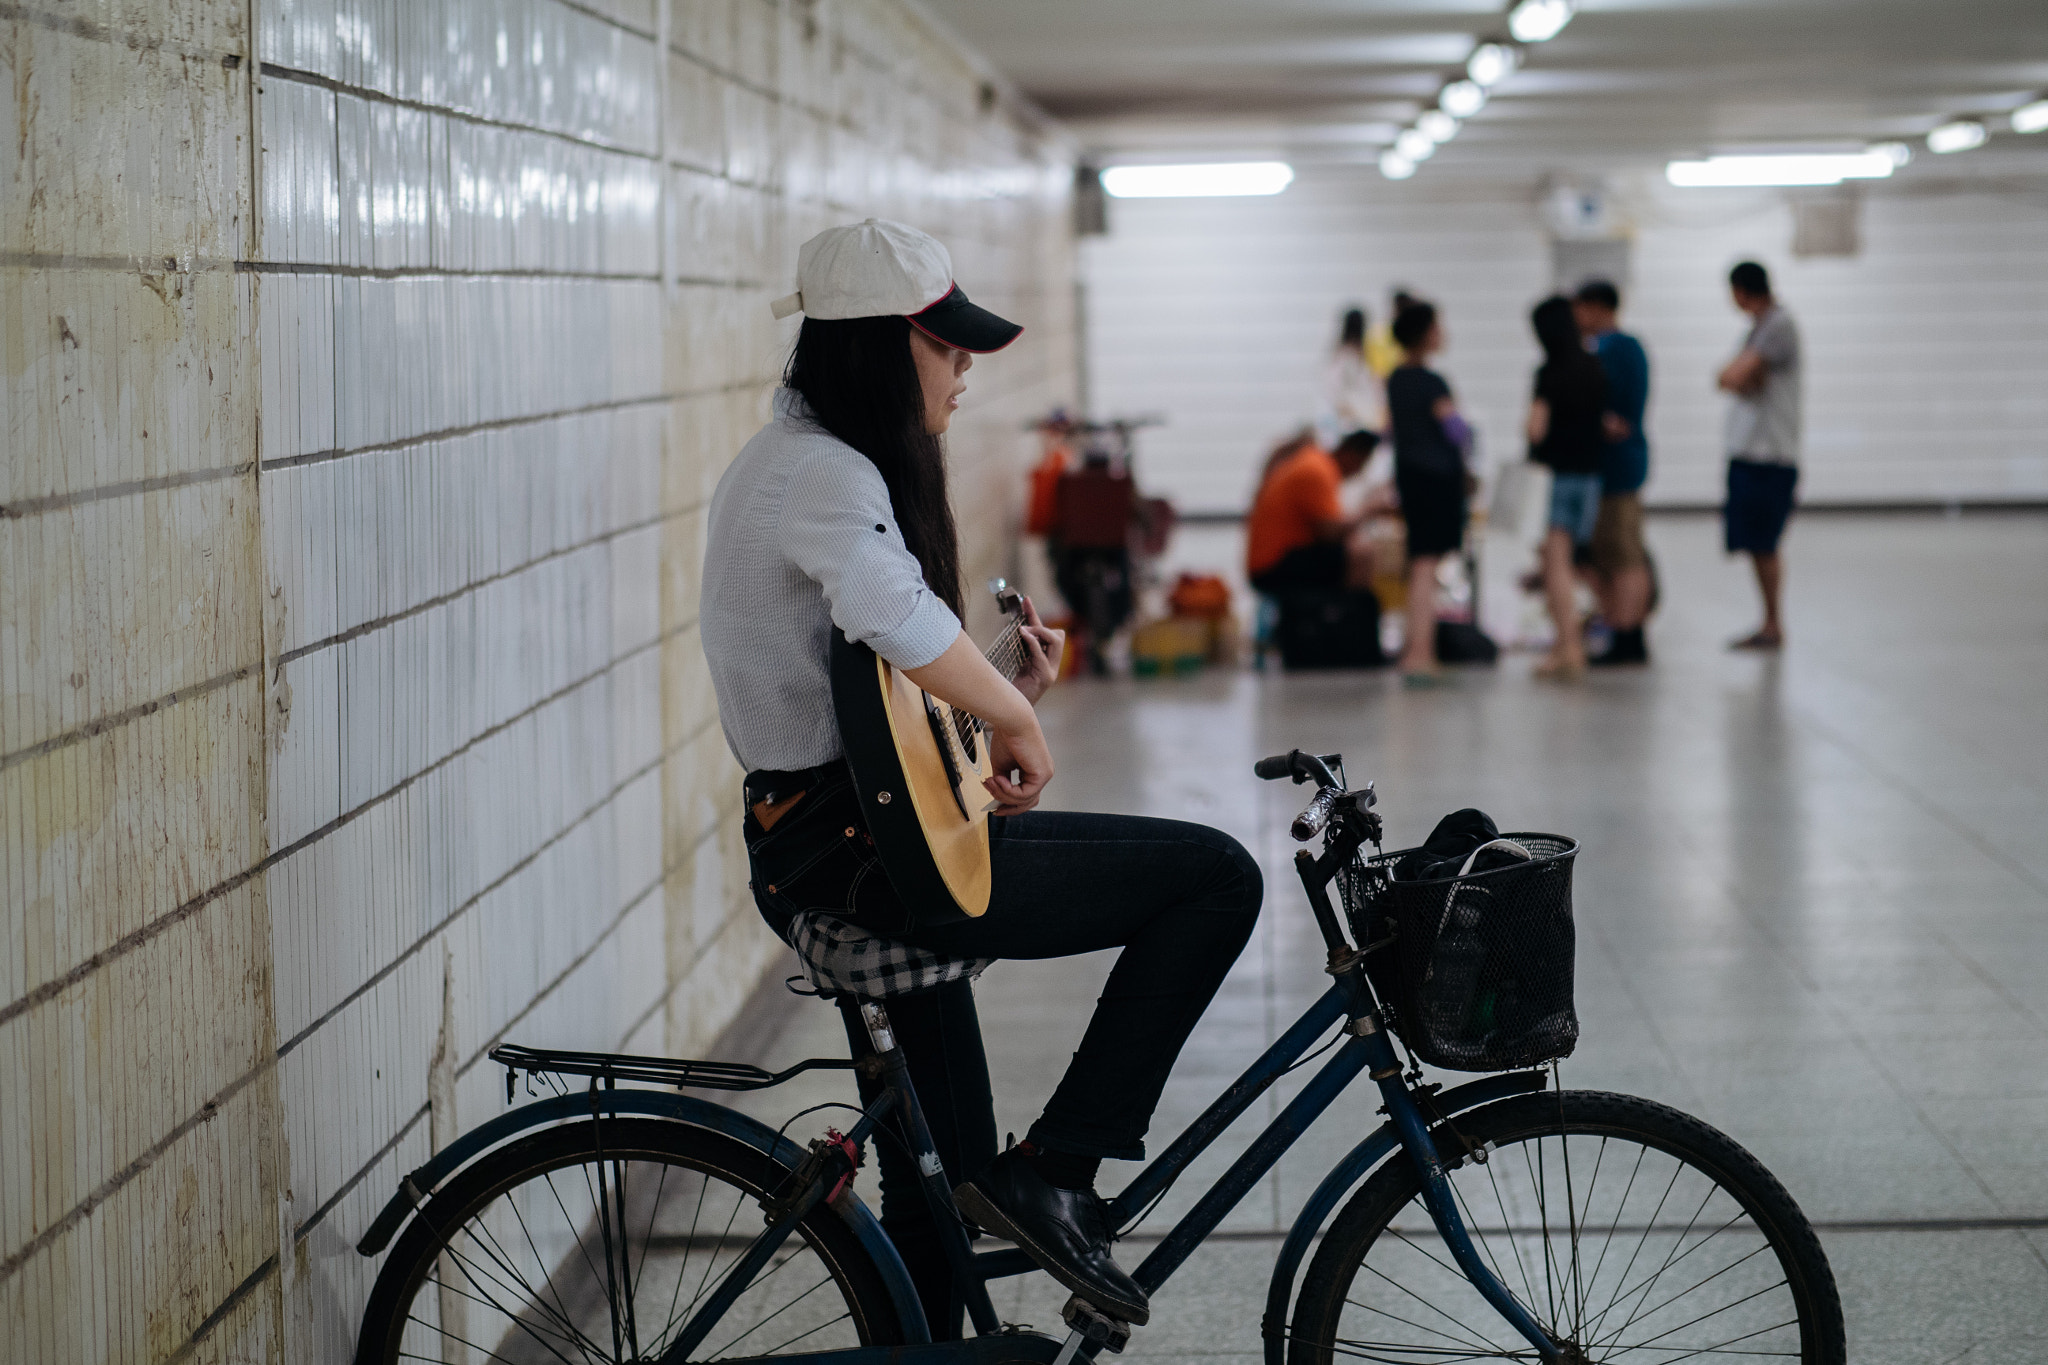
column 1421, row 679
column 1759, row 642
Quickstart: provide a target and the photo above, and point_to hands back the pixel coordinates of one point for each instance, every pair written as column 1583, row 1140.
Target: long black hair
column 861, row 382
column 1557, row 332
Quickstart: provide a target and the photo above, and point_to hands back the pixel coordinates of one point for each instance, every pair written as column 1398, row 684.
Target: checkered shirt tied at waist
column 844, row 959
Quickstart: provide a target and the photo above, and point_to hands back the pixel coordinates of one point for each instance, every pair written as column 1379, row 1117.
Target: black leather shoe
column 1065, row 1231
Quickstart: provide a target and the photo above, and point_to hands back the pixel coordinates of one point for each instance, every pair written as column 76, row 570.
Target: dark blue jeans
column 1180, row 899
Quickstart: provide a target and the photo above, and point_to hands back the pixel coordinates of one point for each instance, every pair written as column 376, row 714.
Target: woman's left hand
column 1043, row 648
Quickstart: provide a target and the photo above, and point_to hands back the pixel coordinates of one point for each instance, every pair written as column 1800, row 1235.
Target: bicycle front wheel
column 574, row 1246
column 1630, row 1231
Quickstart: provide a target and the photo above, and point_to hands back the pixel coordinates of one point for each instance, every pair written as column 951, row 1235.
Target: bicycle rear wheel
column 555, row 1250
column 1631, row 1231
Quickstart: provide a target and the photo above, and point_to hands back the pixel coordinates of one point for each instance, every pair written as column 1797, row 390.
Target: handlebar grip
column 1310, row 822
column 1271, row 769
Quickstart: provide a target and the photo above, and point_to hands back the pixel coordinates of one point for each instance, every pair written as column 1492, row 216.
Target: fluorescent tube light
column 1899, row 152
column 1437, row 126
column 1830, row 169
column 1959, row 136
column 1414, row 144
column 1394, row 166
column 1492, row 63
column 1538, row 21
column 2030, row 118
column 1462, row 99
column 1188, row 182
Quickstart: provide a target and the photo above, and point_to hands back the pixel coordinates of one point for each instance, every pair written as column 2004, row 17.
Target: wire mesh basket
column 1477, row 970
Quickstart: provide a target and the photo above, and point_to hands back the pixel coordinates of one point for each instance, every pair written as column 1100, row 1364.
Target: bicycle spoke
column 1642, row 1291
column 772, row 1316
column 1449, row 1269
column 501, row 1257
column 1714, row 1313
column 444, row 1332
column 1469, row 1332
column 683, row 1271
column 471, row 1270
column 1619, row 1209
column 784, row 1345
column 1507, row 1221
column 1481, row 1345
column 1648, row 1225
column 547, row 1276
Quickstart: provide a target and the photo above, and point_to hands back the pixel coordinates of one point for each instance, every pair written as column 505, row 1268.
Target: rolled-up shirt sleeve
column 837, row 527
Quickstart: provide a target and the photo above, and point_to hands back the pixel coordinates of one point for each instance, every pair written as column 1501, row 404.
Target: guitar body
column 918, row 766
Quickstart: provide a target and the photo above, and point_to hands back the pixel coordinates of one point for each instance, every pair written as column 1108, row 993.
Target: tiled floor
column 1813, row 907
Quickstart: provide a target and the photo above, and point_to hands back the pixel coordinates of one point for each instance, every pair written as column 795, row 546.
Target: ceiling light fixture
column 1394, row 166
column 1792, row 169
column 1899, row 152
column 1415, row 144
column 1492, row 63
column 2030, row 118
column 1538, row 21
column 1198, row 181
column 1462, row 99
column 1958, row 136
column 1436, row 125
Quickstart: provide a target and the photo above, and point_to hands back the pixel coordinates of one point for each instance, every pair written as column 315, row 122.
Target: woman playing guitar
column 835, row 515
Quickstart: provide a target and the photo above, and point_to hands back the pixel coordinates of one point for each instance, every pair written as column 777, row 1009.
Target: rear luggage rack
column 683, row 1074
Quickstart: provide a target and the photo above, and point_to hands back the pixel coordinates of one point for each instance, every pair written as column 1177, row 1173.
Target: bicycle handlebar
column 1310, row 822
column 1299, row 766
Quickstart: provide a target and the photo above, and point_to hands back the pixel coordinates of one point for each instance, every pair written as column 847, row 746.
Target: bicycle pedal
column 1095, row 1325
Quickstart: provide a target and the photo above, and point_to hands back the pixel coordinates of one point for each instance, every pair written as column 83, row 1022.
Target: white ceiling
column 1628, row 84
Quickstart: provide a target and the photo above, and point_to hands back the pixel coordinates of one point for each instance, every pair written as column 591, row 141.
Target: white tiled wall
column 1924, row 354
column 368, row 377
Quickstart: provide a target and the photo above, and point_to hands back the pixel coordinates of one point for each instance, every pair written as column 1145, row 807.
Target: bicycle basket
column 1477, row 970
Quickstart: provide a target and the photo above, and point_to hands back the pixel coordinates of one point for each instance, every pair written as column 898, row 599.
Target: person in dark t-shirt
column 1429, row 475
column 1567, row 435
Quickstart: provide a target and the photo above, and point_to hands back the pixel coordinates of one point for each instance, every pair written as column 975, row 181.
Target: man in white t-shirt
column 1762, row 441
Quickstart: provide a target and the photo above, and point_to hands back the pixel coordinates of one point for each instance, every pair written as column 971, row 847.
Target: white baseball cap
column 878, row 268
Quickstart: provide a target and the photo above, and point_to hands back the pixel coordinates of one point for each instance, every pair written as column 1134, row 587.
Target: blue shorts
column 1759, row 504
column 1575, row 505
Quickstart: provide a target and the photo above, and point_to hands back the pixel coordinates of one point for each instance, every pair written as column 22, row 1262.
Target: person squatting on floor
column 1620, row 561
column 1297, row 535
column 836, row 515
column 1762, row 440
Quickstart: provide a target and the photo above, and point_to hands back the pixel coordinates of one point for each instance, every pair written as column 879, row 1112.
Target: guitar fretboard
column 1008, row 658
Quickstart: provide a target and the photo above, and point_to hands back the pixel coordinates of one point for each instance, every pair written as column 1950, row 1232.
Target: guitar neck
column 1007, row 653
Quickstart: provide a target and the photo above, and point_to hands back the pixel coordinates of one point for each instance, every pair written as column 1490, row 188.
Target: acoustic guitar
column 918, row 765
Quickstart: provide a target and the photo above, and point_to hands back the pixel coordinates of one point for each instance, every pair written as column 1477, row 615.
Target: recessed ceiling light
column 1959, row 136
column 1394, row 166
column 1462, row 99
column 1189, row 182
column 1414, row 144
column 1492, row 63
column 2030, row 118
column 1538, row 21
column 1800, row 169
column 1436, row 125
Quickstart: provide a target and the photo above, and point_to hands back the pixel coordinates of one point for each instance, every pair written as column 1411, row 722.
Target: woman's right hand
column 1025, row 750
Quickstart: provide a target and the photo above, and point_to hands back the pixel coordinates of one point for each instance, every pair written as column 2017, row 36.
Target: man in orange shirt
column 1297, row 535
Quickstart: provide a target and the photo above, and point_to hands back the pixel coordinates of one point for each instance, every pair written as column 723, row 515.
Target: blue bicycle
column 1503, row 1219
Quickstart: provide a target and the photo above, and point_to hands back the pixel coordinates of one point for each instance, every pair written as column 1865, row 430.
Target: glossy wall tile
column 370, row 367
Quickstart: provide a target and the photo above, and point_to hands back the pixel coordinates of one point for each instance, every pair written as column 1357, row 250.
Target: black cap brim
column 965, row 326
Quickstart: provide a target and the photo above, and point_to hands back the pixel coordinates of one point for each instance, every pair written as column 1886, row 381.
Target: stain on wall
column 363, row 380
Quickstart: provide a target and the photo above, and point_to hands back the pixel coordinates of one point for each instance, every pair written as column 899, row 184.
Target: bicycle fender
column 1356, row 1165
column 415, row 1188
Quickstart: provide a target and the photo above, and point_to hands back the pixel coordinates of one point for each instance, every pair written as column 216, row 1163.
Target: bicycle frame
column 1368, row 1049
